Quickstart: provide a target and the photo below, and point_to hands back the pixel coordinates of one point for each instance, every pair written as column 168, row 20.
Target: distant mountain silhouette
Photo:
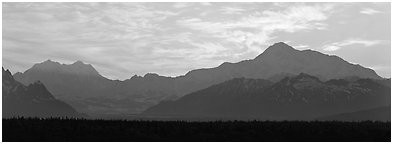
column 302, row 97
column 278, row 59
column 85, row 89
column 33, row 100
column 77, row 77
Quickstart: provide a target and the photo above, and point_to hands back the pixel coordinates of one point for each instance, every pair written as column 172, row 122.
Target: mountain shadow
column 301, row 97
column 33, row 100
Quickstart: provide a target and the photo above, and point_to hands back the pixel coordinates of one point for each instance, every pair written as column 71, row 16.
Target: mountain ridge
column 301, row 97
column 99, row 93
column 33, row 100
column 278, row 44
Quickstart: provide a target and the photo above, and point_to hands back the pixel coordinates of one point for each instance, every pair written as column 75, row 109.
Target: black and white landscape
column 280, row 84
column 251, row 71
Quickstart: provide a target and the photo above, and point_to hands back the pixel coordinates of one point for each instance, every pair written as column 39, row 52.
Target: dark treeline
column 58, row 129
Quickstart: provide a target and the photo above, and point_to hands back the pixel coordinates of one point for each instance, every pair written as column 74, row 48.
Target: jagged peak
column 151, row 75
column 49, row 61
column 304, row 75
column 77, row 67
column 277, row 48
column 82, row 64
column 135, row 76
column 280, row 46
column 79, row 62
column 225, row 63
column 46, row 64
column 38, row 85
column 7, row 72
column 300, row 77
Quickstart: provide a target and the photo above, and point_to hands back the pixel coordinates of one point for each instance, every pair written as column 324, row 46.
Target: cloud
column 301, row 46
column 338, row 45
column 380, row 67
column 126, row 33
column 232, row 10
column 205, row 3
column 331, row 48
column 181, row 5
column 67, row 32
column 257, row 28
column 123, row 39
column 366, row 43
column 369, row 11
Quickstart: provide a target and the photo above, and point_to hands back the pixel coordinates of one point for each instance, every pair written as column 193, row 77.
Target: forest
column 79, row 130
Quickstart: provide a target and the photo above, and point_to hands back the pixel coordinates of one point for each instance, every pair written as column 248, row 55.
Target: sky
column 125, row 39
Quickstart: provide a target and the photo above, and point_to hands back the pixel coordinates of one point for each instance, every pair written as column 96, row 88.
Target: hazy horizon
column 125, row 39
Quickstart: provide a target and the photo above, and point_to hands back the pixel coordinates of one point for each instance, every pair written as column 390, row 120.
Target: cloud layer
column 124, row 39
column 338, row 45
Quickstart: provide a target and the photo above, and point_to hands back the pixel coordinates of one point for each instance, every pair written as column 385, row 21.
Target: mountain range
column 301, row 97
column 81, row 86
column 33, row 100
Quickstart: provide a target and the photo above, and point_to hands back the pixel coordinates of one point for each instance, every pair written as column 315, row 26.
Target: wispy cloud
column 332, row 47
column 338, row 45
column 67, row 32
column 206, row 3
column 369, row 11
column 258, row 28
column 181, row 5
column 123, row 39
column 301, row 46
column 124, row 34
column 232, row 10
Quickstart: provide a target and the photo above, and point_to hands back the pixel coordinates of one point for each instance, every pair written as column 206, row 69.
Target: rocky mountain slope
column 33, row 100
column 301, row 97
column 85, row 89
